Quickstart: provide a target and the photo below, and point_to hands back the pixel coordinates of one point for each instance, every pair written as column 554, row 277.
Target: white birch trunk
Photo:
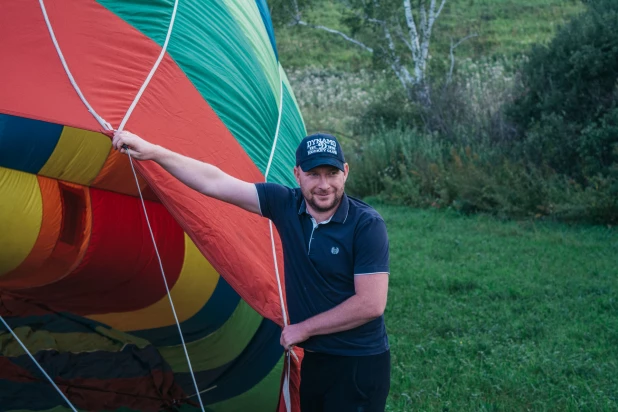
column 419, row 36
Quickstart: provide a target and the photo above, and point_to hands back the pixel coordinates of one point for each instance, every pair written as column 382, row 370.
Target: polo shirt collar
column 341, row 214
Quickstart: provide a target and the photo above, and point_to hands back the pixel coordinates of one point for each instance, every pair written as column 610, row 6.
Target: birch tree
column 396, row 32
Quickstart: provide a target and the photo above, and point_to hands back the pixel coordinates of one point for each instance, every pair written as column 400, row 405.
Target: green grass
column 505, row 28
column 301, row 47
column 486, row 315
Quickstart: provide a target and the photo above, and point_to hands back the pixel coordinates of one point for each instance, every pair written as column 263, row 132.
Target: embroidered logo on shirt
column 334, row 250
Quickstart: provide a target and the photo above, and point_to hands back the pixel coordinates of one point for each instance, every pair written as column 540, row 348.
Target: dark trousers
column 332, row 383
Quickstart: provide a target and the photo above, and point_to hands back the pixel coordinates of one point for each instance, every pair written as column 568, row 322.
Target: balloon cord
column 102, row 122
column 169, row 295
column 106, row 126
column 152, row 71
column 286, row 380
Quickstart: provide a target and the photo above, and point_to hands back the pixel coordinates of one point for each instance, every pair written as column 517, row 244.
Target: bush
column 468, row 109
column 389, row 109
column 598, row 146
column 463, row 153
column 568, row 96
column 417, row 169
column 399, row 166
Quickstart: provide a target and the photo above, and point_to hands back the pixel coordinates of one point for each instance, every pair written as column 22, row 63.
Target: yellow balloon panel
column 78, row 157
column 195, row 285
column 21, row 213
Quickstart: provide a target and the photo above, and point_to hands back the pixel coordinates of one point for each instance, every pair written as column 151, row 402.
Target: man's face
column 322, row 186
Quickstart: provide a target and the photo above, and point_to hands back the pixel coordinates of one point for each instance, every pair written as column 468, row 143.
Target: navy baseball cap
column 319, row 149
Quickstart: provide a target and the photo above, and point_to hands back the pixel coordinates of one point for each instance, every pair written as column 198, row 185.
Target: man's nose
column 323, row 183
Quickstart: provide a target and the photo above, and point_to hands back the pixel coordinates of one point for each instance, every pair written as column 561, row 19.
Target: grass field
column 485, row 315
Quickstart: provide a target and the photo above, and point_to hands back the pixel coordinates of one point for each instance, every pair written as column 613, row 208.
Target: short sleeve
column 371, row 247
column 274, row 199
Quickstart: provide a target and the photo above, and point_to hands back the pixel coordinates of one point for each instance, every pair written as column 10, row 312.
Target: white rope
column 169, row 295
column 274, row 146
column 286, row 379
column 37, row 364
column 152, row 71
column 106, row 126
column 102, row 122
column 272, row 238
column 120, row 128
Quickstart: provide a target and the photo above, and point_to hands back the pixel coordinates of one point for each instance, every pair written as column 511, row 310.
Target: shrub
column 399, row 166
column 468, row 109
column 569, row 90
column 417, row 169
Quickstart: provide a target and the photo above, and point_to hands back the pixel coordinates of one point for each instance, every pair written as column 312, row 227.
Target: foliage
column 282, row 11
column 471, row 163
column 465, row 153
column 468, row 108
column 566, row 108
column 390, row 108
column 416, row 169
column 506, row 28
column 397, row 34
column 332, row 100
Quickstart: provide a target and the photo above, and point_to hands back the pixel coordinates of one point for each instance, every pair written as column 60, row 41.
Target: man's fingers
column 118, row 141
column 284, row 342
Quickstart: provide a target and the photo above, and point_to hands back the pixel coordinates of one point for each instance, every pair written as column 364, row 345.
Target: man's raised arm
column 200, row 176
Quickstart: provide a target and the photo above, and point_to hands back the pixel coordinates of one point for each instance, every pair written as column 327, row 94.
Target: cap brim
column 323, row 161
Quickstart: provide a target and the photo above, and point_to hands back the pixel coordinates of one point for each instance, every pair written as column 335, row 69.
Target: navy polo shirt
column 321, row 260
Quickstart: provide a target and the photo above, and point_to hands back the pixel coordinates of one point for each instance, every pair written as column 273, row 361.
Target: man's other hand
column 293, row 335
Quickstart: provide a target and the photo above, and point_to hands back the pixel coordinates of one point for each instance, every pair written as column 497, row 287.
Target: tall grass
column 418, row 169
column 333, row 100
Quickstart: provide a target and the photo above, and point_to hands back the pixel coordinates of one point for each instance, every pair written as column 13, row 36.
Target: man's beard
column 324, row 209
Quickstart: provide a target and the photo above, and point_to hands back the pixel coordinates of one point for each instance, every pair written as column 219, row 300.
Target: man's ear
column 346, row 171
column 297, row 172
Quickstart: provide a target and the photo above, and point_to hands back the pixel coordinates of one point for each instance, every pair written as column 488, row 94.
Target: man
column 336, row 258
